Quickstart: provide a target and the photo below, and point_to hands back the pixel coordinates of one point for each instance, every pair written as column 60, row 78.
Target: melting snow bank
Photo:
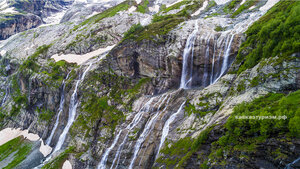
column 205, row 3
column 67, row 165
column 80, row 59
column 9, row 134
column 268, row 5
column 53, row 19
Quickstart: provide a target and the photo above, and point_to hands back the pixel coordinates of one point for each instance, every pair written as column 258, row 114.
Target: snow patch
column 243, row 1
column 146, row 21
column 3, row 52
column 205, row 3
column 80, row 59
column 268, row 5
column 45, row 149
column 9, row 134
column 155, row 8
column 173, row 3
column 67, row 165
column 54, row 19
column 221, row 2
column 131, row 9
column 8, row 10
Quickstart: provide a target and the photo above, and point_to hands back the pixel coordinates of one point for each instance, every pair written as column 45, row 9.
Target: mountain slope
column 157, row 84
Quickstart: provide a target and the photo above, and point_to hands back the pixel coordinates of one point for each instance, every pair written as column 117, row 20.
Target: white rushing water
column 142, row 138
column 186, row 75
column 226, row 50
column 166, row 127
column 289, row 166
column 6, row 94
column 137, row 118
column 213, row 62
column 103, row 161
column 205, row 81
column 148, row 128
column 60, row 110
column 72, row 111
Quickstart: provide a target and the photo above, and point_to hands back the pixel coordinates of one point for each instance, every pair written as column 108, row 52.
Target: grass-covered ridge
column 273, row 116
column 162, row 24
column 275, row 34
column 19, row 146
column 176, row 154
column 59, row 160
column 105, row 14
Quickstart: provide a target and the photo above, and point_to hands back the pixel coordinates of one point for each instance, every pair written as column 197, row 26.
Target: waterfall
column 142, row 138
column 105, row 156
column 72, row 111
column 137, row 118
column 6, row 94
column 162, row 102
column 292, row 163
column 186, row 75
column 213, row 63
column 60, row 110
column 205, row 71
column 226, row 50
column 166, row 127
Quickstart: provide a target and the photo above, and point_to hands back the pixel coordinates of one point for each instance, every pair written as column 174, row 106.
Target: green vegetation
column 243, row 7
column 274, row 115
column 177, row 154
column 241, row 86
column 161, row 25
column 204, row 106
column 220, row 28
column 56, row 70
column 116, row 90
column 105, row 14
column 275, row 34
column 228, row 8
column 30, row 62
column 211, row 4
column 59, row 160
column 176, row 6
column 143, row 6
column 45, row 115
column 18, row 145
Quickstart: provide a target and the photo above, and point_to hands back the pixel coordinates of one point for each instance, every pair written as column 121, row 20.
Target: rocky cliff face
column 18, row 23
column 167, row 95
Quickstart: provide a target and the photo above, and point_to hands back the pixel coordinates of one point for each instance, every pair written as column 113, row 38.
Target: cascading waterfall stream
column 162, row 102
column 60, row 110
column 137, row 118
column 213, row 63
column 292, row 163
column 6, row 95
column 205, row 74
column 142, row 138
column 166, row 128
column 72, row 111
column 227, row 49
column 186, row 75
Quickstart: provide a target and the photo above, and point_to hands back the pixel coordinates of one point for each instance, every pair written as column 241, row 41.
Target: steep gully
column 71, row 116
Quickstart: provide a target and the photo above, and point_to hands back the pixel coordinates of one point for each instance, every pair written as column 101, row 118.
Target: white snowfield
column 268, row 5
column 80, row 59
column 67, row 165
column 9, row 134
